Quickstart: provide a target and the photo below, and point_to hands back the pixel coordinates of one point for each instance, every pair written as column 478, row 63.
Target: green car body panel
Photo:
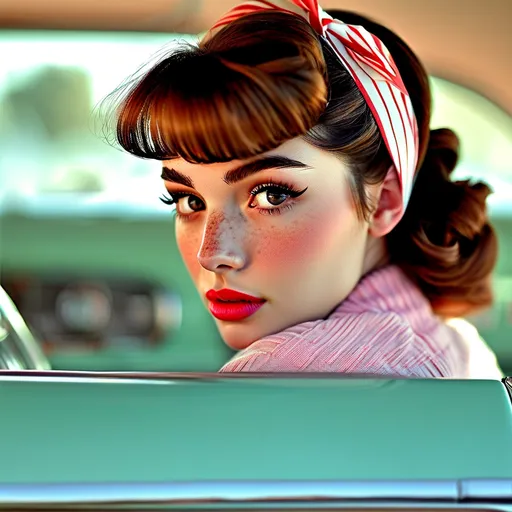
column 186, row 428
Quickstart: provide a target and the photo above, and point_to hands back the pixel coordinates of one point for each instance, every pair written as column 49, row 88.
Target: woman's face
column 281, row 228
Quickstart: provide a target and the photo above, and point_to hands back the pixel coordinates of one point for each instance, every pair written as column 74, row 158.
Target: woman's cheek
column 281, row 248
column 309, row 239
column 188, row 245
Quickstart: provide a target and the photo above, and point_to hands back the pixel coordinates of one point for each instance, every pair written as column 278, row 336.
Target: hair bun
column 451, row 209
column 443, row 147
column 444, row 241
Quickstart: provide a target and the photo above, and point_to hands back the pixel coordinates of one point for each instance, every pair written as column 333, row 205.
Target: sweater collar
column 387, row 289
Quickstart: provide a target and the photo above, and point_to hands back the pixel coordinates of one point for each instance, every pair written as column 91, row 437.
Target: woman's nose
column 222, row 244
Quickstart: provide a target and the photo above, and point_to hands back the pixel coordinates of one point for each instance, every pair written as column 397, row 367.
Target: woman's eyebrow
column 239, row 173
column 261, row 164
column 176, row 177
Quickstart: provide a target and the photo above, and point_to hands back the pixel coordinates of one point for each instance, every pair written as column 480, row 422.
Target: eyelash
column 275, row 186
column 279, row 187
column 172, row 199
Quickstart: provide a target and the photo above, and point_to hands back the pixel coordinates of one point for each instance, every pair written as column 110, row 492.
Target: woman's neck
column 376, row 254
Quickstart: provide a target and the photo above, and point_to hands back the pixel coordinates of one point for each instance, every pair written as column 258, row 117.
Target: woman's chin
column 238, row 336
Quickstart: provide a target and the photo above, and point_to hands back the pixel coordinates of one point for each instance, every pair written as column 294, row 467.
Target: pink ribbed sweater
column 387, row 327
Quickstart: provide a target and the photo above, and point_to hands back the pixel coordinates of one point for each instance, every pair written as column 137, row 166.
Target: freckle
column 211, row 238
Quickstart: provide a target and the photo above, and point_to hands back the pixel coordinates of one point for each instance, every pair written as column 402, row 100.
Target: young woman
column 315, row 210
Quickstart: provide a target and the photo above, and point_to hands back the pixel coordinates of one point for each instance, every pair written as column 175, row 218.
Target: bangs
column 255, row 84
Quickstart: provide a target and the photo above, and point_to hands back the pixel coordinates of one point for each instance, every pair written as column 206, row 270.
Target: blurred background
column 87, row 250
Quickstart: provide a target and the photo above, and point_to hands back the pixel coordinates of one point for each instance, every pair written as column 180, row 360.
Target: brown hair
column 267, row 78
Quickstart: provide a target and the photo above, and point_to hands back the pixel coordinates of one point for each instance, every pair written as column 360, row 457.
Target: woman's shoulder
column 482, row 362
column 383, row 343
column 371, row 342
column 386, row 342
column 364, row 342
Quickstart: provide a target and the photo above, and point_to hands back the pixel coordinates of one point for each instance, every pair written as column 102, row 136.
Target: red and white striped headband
column 371, row 66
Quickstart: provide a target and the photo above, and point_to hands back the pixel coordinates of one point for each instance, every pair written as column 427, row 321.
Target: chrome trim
column 498, row 489
column 209, row 376
column 82, row 380
column 240, row 492
column 508, row 385
column 29, row 347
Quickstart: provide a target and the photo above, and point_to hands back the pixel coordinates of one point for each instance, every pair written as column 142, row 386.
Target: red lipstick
column 231, row 305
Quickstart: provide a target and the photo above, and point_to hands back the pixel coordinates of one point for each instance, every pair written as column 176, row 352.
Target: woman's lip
column 227, row 295
column 233, row 311
column 230, row 305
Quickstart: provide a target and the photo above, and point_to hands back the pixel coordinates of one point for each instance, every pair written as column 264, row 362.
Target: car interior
column 87, row 250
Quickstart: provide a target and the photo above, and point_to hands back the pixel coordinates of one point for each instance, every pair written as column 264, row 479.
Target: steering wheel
column 19, row 350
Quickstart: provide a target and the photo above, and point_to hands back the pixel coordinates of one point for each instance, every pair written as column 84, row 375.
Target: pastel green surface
column 241, row 429
column 117, row 248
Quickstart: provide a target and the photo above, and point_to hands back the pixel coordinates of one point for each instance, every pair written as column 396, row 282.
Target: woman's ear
column 390, row 208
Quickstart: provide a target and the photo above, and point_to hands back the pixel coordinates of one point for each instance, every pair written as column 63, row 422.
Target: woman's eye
column 186, row 205
column 269, row 198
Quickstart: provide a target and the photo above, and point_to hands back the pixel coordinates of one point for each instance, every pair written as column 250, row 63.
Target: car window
column 76, row 212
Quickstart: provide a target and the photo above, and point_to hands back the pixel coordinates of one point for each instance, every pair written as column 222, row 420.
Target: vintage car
column 108, row 393
column 192, row 441
column 204, row 441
